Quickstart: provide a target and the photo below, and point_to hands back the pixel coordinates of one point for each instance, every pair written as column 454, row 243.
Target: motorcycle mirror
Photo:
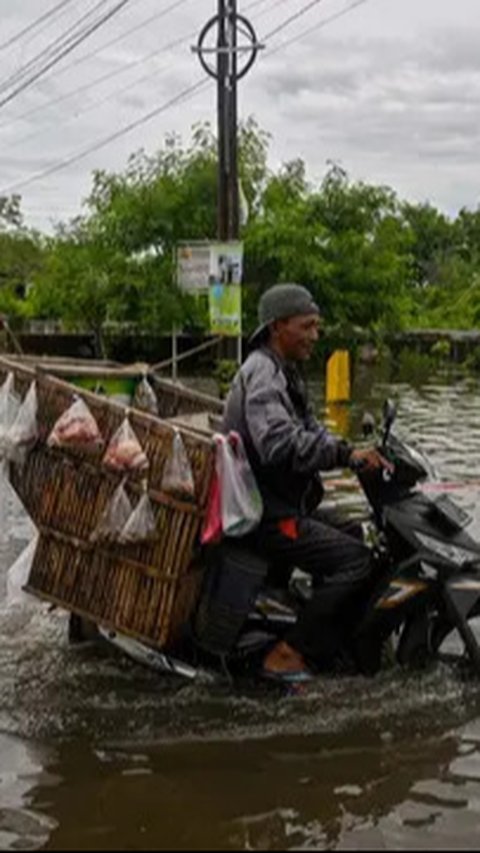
column 368, row 424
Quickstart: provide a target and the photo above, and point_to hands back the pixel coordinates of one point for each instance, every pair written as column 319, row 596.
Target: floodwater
column 98, row 753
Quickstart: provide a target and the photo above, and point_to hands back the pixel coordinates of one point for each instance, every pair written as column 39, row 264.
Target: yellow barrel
column 338, row 377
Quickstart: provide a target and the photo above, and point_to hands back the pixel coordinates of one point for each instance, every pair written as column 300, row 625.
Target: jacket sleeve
column 278, row 437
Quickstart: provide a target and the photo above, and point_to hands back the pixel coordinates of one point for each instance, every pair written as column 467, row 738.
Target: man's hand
column 369, row 460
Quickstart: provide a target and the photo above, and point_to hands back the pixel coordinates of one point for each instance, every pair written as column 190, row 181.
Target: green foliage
column 472, row 361
column 374, row 264
column 224, row 372
column 412, row 366
column 20, row 259
column 441, row 350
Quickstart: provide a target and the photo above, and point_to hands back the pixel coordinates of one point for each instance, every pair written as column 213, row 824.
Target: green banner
column 225, row 303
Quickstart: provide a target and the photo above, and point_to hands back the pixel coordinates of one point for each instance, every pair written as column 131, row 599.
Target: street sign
column 225, row 304
column 215, row 268
column 193, row 267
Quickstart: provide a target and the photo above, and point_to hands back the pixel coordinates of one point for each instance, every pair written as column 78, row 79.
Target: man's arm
column 276, row 434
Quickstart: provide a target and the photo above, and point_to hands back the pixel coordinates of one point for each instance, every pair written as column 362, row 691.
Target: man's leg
column 340, row 567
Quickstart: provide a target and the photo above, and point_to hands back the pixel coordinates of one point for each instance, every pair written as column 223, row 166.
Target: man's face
column 296, row 337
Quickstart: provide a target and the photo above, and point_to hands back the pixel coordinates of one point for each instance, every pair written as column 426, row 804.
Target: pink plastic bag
column 76, row 428
column 177, row 477
column 212, row 527
column 124, row 453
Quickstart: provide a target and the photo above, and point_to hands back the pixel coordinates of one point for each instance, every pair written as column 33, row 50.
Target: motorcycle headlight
column 453, row 553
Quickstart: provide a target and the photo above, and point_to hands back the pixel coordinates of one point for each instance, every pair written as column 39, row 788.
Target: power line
column 294, row 17
column 116, row 71
column 98, row 80
column 66, row 50
column 75, row 158
column 47, row 51
column 120, row 37
column 34, row 24
column 323, row 23
column 184, row 95
column 86, row 109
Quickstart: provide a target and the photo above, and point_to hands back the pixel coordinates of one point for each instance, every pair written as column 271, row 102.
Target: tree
column 20, row 259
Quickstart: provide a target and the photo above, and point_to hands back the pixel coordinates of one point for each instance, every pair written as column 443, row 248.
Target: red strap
column 289, row 527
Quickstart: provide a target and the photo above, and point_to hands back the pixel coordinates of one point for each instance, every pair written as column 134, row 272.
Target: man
column 287, row 448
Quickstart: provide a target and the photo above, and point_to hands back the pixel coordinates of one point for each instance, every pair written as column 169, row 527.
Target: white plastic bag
column 18, row 575
column 177, row 479
column 240, row 499
column 76, row 428
column 9, row 406
column 124, row 452
column 24, row 431
column 145, row 398
column 114, row 517
column 141, row 526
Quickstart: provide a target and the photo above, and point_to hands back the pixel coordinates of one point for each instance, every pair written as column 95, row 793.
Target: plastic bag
column 124, row 453
column 24, row 430
column 18, row 575
column 76, row 428
column 142, row 525
column 145, row 398
column 177, row 477
column 212, row 526
column 241, row 501
column 114, row 517
column 9, row 406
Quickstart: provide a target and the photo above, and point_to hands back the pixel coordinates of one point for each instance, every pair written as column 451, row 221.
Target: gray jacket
column 286, row 445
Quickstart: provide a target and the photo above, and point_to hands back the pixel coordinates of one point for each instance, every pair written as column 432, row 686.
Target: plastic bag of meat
column 177, row 477
column 145, row 398
column 124, row 453
column 113, row 518
column 141, row 526
column 76, row 428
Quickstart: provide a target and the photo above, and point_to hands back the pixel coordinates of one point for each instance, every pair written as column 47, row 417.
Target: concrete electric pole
column 235, row 50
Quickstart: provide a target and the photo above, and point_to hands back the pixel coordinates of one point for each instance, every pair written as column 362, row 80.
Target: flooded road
column 98, row 753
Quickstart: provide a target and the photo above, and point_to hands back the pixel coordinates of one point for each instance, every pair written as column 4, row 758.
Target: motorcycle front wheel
column 430, row 638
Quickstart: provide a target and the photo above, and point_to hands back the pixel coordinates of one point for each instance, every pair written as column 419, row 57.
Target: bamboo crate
column 146, row 590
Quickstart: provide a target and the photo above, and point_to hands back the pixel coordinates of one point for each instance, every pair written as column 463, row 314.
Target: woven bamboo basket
column 146, row 590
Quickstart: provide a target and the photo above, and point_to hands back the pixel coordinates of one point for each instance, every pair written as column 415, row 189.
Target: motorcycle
column 423, row 598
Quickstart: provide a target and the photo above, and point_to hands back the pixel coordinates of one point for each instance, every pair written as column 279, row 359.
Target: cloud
column 391, row 90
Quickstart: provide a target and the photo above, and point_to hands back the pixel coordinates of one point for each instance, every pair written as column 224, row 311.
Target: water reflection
column 21, row 771
column 364, row 790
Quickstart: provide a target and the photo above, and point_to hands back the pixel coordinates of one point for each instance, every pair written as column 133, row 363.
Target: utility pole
column 228, row 71
column 228, row 212
column 233, row 61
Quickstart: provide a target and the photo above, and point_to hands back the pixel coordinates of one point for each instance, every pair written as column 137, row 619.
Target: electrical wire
column 35, row 23
column 71, row 46
column 185, row 94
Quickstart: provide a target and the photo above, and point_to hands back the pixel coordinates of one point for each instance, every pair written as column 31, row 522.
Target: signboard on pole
column 225, row 304
column 215, row 269
column 225, row 293
column 193, row 267
column 226, row 263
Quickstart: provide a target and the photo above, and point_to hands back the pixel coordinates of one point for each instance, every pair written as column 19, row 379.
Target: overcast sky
column 391, row 90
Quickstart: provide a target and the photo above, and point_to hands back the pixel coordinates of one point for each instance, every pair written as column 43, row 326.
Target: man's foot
column 285, row 664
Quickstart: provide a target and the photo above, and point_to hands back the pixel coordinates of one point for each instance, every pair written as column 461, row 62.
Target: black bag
column 234, row 577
